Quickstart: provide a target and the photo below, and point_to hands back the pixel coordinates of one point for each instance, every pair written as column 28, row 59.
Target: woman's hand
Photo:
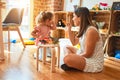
column 69, row 26
column 74, row 40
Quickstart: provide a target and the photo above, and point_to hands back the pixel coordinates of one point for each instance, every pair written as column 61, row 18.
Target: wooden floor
column 19, row 64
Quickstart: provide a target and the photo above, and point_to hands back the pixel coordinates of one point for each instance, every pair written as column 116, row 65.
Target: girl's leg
column 75, row 61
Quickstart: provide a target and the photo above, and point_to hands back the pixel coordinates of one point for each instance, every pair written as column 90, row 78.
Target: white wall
column 91, row 3
column 68, row 6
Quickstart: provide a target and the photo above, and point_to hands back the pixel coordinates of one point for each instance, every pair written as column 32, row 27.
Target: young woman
column 90, row 57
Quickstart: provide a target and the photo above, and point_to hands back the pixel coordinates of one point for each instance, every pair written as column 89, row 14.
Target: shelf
column 101, row 16
column 115, row 35
column 115, row 11
column 60, row 28
column 59, row 12
column 65, row 16
column 103, row 31
column 101, row 11
column 62, row 12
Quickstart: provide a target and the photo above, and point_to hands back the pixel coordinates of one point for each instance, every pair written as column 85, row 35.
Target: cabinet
column 101, row 16
column 66, row 17
column 115, row 22
column 113, row 43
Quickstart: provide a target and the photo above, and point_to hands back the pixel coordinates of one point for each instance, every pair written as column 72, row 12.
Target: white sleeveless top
column 94, row 63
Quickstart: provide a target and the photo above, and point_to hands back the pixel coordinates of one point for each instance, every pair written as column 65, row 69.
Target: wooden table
column 1, row 34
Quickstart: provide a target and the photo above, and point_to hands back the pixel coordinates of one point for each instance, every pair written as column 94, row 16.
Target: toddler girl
column 44, row 24
column 41, row 32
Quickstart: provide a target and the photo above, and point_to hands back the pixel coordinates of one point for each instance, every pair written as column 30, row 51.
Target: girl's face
column 76, row 20
column 48, row 22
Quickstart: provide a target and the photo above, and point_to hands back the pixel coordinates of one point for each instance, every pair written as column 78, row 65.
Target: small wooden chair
column 53, row 55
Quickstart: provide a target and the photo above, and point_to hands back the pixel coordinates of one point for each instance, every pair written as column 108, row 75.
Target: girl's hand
column 52, row 23
column 53, row 26
column 34, row 33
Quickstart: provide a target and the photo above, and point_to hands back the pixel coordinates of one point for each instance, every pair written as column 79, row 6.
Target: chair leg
column 21, row 37
column 9, row 40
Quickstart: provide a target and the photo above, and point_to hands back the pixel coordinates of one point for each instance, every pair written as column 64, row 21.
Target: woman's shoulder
column 92, row 30
column 92, row 27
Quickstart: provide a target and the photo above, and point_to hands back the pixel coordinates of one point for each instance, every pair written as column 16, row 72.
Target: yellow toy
column 29, row 42
column 77, row 46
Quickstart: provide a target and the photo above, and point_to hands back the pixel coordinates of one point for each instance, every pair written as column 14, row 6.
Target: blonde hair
column 43, row 16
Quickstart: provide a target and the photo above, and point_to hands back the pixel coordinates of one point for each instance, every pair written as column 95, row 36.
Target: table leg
column 44, row 55
column 53, row 59
column 37, row 58
column 58, row 59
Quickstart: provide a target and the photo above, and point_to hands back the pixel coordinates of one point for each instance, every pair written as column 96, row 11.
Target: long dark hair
column 85, row 19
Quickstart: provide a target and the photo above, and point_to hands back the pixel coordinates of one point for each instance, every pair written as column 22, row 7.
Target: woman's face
column 76, row 20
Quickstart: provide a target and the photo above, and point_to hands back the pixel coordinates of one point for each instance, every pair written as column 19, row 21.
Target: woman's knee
column 67, row 59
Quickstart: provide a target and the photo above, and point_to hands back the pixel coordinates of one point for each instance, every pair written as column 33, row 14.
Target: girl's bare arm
column 34, row 33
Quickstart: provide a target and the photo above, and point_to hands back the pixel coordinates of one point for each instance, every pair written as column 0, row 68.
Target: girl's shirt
column 43, row 33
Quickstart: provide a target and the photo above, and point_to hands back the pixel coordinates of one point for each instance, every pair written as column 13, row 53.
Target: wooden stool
column 53, row 53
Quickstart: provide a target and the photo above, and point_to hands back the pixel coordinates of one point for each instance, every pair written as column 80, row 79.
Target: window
column 25, row 26
column 69, row 4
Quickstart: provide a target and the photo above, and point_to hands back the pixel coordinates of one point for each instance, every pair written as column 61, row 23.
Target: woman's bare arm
column 92, row 37
column 74, row 40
